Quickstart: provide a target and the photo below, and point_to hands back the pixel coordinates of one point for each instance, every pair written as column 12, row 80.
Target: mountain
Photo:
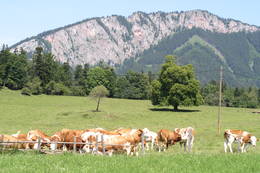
column 141, row 40
column 238, row 53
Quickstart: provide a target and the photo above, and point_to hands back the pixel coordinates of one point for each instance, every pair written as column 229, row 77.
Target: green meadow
column 52, row 113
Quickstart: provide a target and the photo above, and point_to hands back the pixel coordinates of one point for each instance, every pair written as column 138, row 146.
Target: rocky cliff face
column 116, row 38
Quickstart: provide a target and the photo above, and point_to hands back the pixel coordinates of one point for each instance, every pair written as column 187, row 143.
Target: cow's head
column 145, row 130
column 177, row 130
column 253, row 140
column 139, row 132
column 177, row 137
column 89, row 136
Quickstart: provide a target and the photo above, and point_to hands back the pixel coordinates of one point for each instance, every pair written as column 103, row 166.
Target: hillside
column 238, row 53
column 141, row 40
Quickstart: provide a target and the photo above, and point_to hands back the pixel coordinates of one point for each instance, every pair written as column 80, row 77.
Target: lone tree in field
column 176, row 86
column 97, row 93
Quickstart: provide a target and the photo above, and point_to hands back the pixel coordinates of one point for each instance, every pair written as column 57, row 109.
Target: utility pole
column 220, row 97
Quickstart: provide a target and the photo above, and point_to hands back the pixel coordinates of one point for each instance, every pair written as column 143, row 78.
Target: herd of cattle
column 101, row 141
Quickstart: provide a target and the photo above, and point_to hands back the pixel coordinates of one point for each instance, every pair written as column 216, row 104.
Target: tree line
column 232, row 97
column 42, row 74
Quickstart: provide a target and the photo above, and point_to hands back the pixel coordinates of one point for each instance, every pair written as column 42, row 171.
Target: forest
column 42, row 74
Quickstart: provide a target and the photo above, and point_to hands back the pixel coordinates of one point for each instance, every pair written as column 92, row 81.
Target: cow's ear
column 257, row 139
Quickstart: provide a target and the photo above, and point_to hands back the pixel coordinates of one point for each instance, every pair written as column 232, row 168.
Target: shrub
column 26, row 91
column 35, row 86
column 77, row 91
column 53, row 88
column 11, row 84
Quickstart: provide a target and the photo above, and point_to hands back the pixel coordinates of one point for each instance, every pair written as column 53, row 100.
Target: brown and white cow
column 109, row 143
column 134, row 136
column 20, row 136
column 103, row 131
column 23, row 137
column 9, row 138
column 66, row 135
column 149, row 137
column 167, row 137
column 34, row 135
column 243, row 138
column 187, row 137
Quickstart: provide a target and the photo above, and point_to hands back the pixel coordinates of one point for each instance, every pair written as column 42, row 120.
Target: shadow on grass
column 172, row 110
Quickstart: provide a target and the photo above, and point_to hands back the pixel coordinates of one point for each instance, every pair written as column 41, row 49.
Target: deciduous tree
column 97, row 93
column 176, row 86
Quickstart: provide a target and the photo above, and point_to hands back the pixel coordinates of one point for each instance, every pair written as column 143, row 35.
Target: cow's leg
column 136, row 150
column 190, row 144
column 27, row 146
column 246, row 147
column 147, row 146
column 225, row 146
column 64, row 148
column 152, row 144
column 185, row 146
column 159, row 147
column 230, row 147
column 167, row 145
column 238, row 148
column 242, row 147
column 132, row 150
column 86, row 148
column 35, row 146
column 226, row 142
column 110, row 152
column 128, row 149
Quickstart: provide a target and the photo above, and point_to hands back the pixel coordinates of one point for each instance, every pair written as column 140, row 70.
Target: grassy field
column 52, row 113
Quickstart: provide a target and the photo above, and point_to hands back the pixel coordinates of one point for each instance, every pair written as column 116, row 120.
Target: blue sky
column 25, row 18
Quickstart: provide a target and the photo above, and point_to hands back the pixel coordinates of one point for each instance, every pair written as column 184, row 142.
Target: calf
column 243, row 138
column 187, row 137
column 166, row 138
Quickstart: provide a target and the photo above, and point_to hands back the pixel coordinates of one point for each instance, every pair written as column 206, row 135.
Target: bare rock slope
column 116, row 38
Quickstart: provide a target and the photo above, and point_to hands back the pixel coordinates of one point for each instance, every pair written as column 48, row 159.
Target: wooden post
column 74, row 144
column 103, row 145
column 39, row 144
column 220, row 98
column 143, row 149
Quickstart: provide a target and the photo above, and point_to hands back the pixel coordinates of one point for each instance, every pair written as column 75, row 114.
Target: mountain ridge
column 87, row 19
column 116, row 38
